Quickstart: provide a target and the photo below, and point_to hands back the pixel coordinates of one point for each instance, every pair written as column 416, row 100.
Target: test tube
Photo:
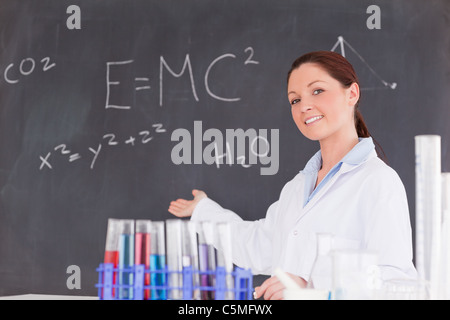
column 158, row 261
column 190, row 254
column 112, row 242
column 207, row 259
column 210, row 232
column 203, row 263
column 126, row 259
column 112, row 247
column 224, row 256
column 174, row 258
column 142, row 250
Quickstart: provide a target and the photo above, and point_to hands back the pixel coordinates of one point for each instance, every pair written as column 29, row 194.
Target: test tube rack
column 107, row 289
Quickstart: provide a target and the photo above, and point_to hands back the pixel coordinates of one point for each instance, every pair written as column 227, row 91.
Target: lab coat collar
column 362, row 152
column 314, row 164
column 359, row 154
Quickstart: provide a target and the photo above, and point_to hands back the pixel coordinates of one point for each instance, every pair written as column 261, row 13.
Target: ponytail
column 363, row 132
column 361, row 128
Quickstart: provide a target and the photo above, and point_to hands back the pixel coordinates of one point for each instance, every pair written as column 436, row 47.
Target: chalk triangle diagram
column 369, row 78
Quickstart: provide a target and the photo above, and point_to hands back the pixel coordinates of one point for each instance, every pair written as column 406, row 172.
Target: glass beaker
column 406, row 289
column 356, row 275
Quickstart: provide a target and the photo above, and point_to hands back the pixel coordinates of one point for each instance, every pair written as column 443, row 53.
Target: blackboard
column 89, row 114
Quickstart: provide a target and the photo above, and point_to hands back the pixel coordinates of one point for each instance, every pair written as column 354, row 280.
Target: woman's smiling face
column 321, row 106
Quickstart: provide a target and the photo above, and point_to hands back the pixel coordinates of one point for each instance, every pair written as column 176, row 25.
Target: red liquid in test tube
column 143, row 250
column 112, row 247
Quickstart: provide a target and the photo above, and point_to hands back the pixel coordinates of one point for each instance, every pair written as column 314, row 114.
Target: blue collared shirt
column 355, row 156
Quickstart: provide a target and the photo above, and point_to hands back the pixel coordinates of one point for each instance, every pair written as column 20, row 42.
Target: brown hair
column 340, row 69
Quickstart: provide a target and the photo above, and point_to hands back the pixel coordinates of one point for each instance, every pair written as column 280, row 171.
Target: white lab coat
column 363, row 205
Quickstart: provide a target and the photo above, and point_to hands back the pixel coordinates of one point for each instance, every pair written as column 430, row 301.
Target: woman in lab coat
column 344, row 189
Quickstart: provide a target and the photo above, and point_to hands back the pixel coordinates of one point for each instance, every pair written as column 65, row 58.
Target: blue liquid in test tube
column 126, row 259
column 158, row 261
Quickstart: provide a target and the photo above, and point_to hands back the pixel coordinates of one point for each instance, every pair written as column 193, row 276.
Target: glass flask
column 321, row 274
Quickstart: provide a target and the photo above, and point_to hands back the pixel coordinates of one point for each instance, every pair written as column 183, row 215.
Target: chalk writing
column 26, row 67
column 341, row 42
column 143, row 81
column 109, row 139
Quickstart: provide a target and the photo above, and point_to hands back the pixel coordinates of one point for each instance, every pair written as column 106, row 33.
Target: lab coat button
column 295, row 233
